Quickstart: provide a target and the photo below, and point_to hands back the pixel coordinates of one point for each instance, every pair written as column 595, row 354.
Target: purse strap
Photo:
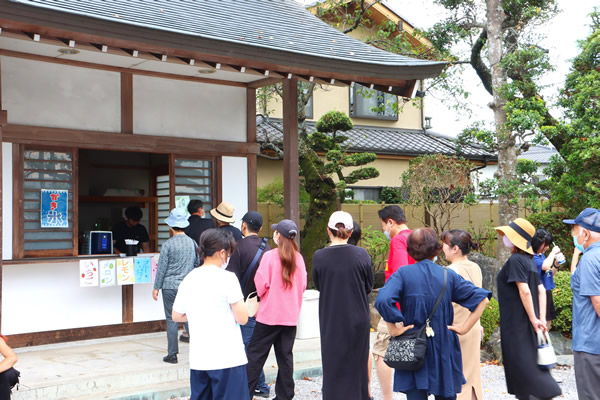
column 439, row 299
column 254, row 262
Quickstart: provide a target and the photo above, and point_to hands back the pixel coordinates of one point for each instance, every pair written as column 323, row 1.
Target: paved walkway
column 127, row 367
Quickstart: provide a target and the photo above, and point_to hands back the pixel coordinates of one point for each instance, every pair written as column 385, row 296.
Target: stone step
column 128, row 366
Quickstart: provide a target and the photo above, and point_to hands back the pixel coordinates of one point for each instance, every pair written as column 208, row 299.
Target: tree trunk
column 323, row 202
column 507, row 153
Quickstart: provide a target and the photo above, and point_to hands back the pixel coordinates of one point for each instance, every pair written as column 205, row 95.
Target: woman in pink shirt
column 280, row 281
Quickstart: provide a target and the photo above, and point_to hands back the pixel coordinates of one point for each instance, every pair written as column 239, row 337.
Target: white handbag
column 546, row 358
column 252, row 304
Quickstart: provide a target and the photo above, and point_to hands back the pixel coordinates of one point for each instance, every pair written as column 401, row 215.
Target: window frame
column 353, row 94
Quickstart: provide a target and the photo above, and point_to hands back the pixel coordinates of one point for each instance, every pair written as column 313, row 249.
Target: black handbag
column 407, row 351
column 13, row 377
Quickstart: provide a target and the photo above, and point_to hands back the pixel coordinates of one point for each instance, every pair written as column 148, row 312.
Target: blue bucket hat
column 177, row 219
column 588, row 219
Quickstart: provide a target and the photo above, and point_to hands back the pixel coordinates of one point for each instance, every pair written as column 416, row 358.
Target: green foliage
column 440, row 184
column 561, row 233
column 334, row 121
column 563, row 303
column 490, row 319
column 377, row 245
column 486, row 236
column 391, row 195
column 273, row 193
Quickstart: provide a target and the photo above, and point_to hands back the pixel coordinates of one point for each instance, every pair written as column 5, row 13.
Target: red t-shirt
column 398, row 253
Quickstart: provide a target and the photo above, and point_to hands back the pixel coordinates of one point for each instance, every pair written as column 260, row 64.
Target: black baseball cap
column 286, row 227
column 253, row 219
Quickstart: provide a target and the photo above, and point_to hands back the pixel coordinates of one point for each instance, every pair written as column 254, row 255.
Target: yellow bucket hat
column 519, row 232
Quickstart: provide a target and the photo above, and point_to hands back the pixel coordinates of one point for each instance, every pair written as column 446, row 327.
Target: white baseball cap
column 340, row 217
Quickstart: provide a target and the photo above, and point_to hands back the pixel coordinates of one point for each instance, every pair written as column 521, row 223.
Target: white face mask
column 275, row 237
column 388, row 234
column 507, row 242
column 224, row 262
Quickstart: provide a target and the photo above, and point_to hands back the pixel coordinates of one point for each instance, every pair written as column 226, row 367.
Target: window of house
column 366, row 193
column 308, row 108
column 99, row 185
column 370, row 103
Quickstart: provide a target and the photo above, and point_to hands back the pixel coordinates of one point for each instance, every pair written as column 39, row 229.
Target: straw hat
column 519, row 232
column 223, row 212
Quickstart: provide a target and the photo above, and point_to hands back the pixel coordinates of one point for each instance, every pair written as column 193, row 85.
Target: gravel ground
column 492, row 379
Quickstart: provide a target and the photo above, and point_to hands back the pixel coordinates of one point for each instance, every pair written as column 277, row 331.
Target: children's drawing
column 154, row 265
column 125, row 272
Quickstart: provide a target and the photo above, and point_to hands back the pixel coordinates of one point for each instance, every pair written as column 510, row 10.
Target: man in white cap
column 585, row 282
column 223, row 215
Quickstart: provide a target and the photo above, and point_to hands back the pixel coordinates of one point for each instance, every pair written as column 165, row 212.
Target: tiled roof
column 382, row 140
column 264, row 24
column 539, row 154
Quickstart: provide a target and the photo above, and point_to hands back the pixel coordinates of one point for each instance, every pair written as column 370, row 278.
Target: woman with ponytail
column 280, row 282
column 456, row 244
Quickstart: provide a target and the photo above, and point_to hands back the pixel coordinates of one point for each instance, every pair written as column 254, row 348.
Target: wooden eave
column 279, row 64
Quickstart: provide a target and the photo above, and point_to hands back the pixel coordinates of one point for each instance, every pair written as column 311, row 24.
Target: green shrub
column 490, row 319
column 561, row 233
column 352, row 201
column 390, row 195
column 487, row 237
column 563, row 303
column 377, row 245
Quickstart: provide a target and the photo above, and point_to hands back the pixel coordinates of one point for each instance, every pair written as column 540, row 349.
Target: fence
column 473, row 217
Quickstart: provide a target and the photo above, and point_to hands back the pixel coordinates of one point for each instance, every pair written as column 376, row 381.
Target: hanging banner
column 88, row 273
column 54, row 208
column 142, row 270
column 154, row 266
column 125, row 272
column 108, row 272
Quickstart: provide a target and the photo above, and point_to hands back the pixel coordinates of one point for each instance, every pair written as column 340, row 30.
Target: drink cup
column 560, row 258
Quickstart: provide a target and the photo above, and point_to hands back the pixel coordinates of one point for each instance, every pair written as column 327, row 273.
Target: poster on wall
column 88, row 273
column 108, row 272
column 142, row 270
column 154, row 266
column 125, row 272
column 182, row 202
column 54, row 208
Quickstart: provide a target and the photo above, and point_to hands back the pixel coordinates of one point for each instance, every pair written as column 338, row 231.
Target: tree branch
column 363, row 10
column 478, row 65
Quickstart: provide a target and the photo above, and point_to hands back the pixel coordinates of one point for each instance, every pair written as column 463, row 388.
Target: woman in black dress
column 343, row 275
column 522, row 301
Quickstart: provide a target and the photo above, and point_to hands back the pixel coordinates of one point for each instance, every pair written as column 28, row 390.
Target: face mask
column 275, row 238
column 435, row 259
column 507, row 242
column 388, row 235
column 577, row 245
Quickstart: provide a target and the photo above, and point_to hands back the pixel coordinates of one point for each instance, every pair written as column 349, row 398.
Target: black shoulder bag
column 407, row 351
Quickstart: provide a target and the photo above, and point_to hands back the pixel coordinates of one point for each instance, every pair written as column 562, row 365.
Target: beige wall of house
column 390, row 171
column 335, row 98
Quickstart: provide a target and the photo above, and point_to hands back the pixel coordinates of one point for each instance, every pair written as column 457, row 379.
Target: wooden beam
column 83, row 64
column 127, row 303
column 38, row 135
column 291, row 181
column 126, row 102
column 251, row 138
column 264, row 82
column 95, row 332
column 3, row 122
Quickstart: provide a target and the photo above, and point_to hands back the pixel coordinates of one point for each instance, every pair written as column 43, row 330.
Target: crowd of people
column 208, row 271
column 228, row 348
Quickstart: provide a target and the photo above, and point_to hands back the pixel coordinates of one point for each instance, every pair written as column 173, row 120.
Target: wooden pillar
column 251, row 138
column 291, row 179
column 3, row 122
column 126, row 102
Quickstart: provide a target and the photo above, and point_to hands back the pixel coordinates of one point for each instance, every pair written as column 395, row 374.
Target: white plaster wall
column 483, row 174
column 144, row 306
column 46, row 296
column 167, row 107
column 60, row 96
column 7, row 193
column 235, row 185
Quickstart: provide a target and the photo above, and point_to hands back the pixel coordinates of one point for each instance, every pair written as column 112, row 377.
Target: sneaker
column 170, row 359
column 258, row 393
column 184, row 339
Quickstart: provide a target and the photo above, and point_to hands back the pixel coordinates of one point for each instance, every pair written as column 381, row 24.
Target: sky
column 563, row 31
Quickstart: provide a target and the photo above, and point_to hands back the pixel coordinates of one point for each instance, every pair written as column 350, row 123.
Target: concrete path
column 127, row 367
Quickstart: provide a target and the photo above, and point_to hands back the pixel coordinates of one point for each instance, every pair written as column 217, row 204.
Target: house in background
column 395, row 137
